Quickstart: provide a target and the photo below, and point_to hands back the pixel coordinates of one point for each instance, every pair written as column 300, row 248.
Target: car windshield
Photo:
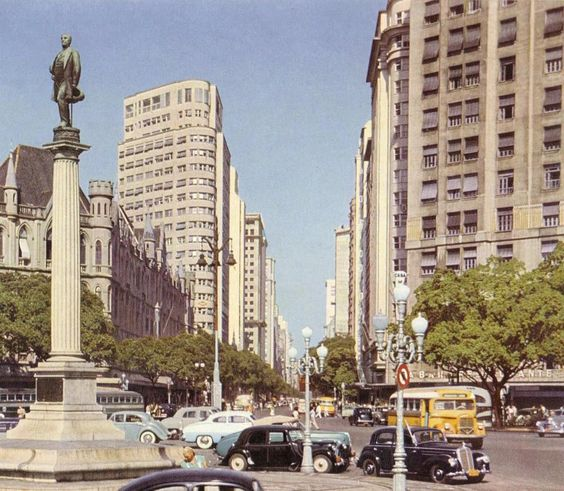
column 454, row 404
column 424, row 436
column 296, row 435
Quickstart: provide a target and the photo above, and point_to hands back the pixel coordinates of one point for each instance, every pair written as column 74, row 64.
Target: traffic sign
column 402, row 376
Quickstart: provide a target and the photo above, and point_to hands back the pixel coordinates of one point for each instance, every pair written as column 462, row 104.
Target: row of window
column 455, row 9
column 147, row 104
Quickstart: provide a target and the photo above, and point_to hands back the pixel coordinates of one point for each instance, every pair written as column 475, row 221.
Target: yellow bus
column 452, row 410
column 327, row 404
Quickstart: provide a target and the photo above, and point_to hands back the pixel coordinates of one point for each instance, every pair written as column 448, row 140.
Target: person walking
column 295, row 412
column 312, row 417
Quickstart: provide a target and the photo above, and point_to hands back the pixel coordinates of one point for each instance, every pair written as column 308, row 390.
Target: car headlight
column 447, row 426
column 483, row 458
column 453, row 462
column 480, row 426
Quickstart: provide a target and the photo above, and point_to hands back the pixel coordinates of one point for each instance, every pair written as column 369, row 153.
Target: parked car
column 528, row 416
column 194, row 480
column 347, row 410
column 553, row 425
column 280, row 447
column 380, row 414
column 186, row 415
column 341, row 437
column 428, row 454
column 140, row 426
column 207, row 433
column 361, row 416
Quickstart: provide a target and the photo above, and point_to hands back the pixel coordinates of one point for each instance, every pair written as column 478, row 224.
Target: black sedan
column 194, row 479
column 361, row 416
column 428, row 454
column 281, row 447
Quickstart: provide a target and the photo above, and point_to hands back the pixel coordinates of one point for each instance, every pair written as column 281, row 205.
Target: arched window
column 98, row 292
column 106, row 209
column 98, row 259
column 1, row 245
column 98, row 208
column 24, row 255
column 110, row 253
column 109, row 305
column 82, row 250
column 49, row 246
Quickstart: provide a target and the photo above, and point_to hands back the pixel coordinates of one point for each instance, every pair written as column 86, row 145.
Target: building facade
column 271, row 313
column 329, row 327
column 255, row 284
column 174, row 167
column 123, row 266
column 342, row 267
column 466, row 148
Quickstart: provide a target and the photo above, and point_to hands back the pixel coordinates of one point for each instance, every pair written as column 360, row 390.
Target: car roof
column 232, row 413
column 189, row 475
column 137, row 413
column 269, row 428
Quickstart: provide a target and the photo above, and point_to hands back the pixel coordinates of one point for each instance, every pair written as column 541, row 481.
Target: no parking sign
column 402, row 376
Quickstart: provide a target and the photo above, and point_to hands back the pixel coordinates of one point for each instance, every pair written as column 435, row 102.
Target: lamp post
column 197, row 366
column 124, row 383
column 399, row 349
column 306, row 366
column 216, row 249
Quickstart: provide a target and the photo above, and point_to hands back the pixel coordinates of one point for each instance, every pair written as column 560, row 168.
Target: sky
column 292, row 78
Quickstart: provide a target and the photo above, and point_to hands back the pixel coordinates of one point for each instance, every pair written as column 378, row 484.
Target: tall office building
column 329, row 308
column 342, row 265
column 466, row 150
column 255, row 284
column 174, row 167
column 270, row 313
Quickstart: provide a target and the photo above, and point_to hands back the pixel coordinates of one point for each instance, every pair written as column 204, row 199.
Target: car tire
column 542, row 435
column 437, row 473
column 369, row 467
column 238, row 462
column 148, row 437
column 204, row 441
column 478, row 444
column 322, row 464
column 476, row 479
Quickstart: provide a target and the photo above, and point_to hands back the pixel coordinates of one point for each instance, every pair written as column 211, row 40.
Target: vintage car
column 380, row 414
column 361, row 416
column 342, row 437
column 347, row 410
column 528, row 416
column 194, row 480
column 553, row 425
column 428, row 454
column 280, row 447
column 186, row 415
column 140, row 426
column 207, row 433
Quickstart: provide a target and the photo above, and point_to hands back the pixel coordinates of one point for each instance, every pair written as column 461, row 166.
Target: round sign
column 402, row 376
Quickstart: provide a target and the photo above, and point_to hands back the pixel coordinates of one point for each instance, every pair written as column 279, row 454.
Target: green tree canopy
column 491, row 322
column 340, row 365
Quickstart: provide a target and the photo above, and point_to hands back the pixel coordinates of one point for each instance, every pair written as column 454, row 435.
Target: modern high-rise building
column 329, row 308
column 270, row 313
column 237, row 271
column 255, row 284
column 342, row 242
column 174, row 166
column 467, row 128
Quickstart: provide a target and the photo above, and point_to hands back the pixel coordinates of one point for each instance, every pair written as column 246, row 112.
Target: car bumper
column 460, row 437
column 551, row 430
column 459, row 472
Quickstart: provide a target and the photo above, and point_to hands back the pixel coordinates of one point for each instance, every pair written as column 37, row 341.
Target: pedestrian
column 296, row 413
column 318, row 411
column 191, row 460
column 272, row 413
column 20, row 412
column 312, row 417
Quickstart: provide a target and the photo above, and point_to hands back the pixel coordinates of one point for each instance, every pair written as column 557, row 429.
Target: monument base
column 48, row 461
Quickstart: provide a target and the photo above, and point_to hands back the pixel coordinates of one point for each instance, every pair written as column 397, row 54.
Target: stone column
column 65, row 269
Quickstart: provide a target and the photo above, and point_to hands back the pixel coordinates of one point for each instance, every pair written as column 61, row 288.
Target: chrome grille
column 464, row 455
column 466, row 425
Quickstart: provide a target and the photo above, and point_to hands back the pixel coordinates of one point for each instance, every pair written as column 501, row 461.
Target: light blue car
column 140, row 426
column 207, row 433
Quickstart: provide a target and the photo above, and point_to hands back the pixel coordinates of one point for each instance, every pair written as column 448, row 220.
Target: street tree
column 490, row 322
column 340, row 365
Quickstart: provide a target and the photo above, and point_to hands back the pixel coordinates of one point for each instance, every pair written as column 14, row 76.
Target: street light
column 217, row 390
column 400, row 348
column 306, row 366
column 197, row 366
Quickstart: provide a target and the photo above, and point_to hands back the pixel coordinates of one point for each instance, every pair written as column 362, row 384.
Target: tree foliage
column 493, row 321
column 340, row 365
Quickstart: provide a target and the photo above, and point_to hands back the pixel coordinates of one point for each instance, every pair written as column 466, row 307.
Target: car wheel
column 322, row 464
column 238, row 462
column 542, row 435
column 148, row 437
column 204, row 441
column 369, row 467
column 476, row 479
column 438, row 473
column 478, row 444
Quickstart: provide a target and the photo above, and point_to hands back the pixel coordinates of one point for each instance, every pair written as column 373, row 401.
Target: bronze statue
column 65, row 72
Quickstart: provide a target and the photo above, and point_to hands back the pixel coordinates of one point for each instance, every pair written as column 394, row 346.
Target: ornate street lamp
column 197, row 366
column 399, row 349
column 215, row 249
column 307, row 365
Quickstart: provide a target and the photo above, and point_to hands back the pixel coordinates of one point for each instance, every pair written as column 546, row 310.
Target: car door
column 133, row 425
column 414, row 454
column 279, row 449
column 385, row 445
column 238, row 423
column 256, row 446
column 188, row 417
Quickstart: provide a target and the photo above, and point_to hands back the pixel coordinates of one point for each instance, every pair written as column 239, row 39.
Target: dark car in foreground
column 194, row 479
column 553, row 425
column 281, row 447
column 428, row 454
column 361, row 416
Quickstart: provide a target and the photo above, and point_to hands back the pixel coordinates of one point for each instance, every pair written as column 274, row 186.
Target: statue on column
column 65, row 72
